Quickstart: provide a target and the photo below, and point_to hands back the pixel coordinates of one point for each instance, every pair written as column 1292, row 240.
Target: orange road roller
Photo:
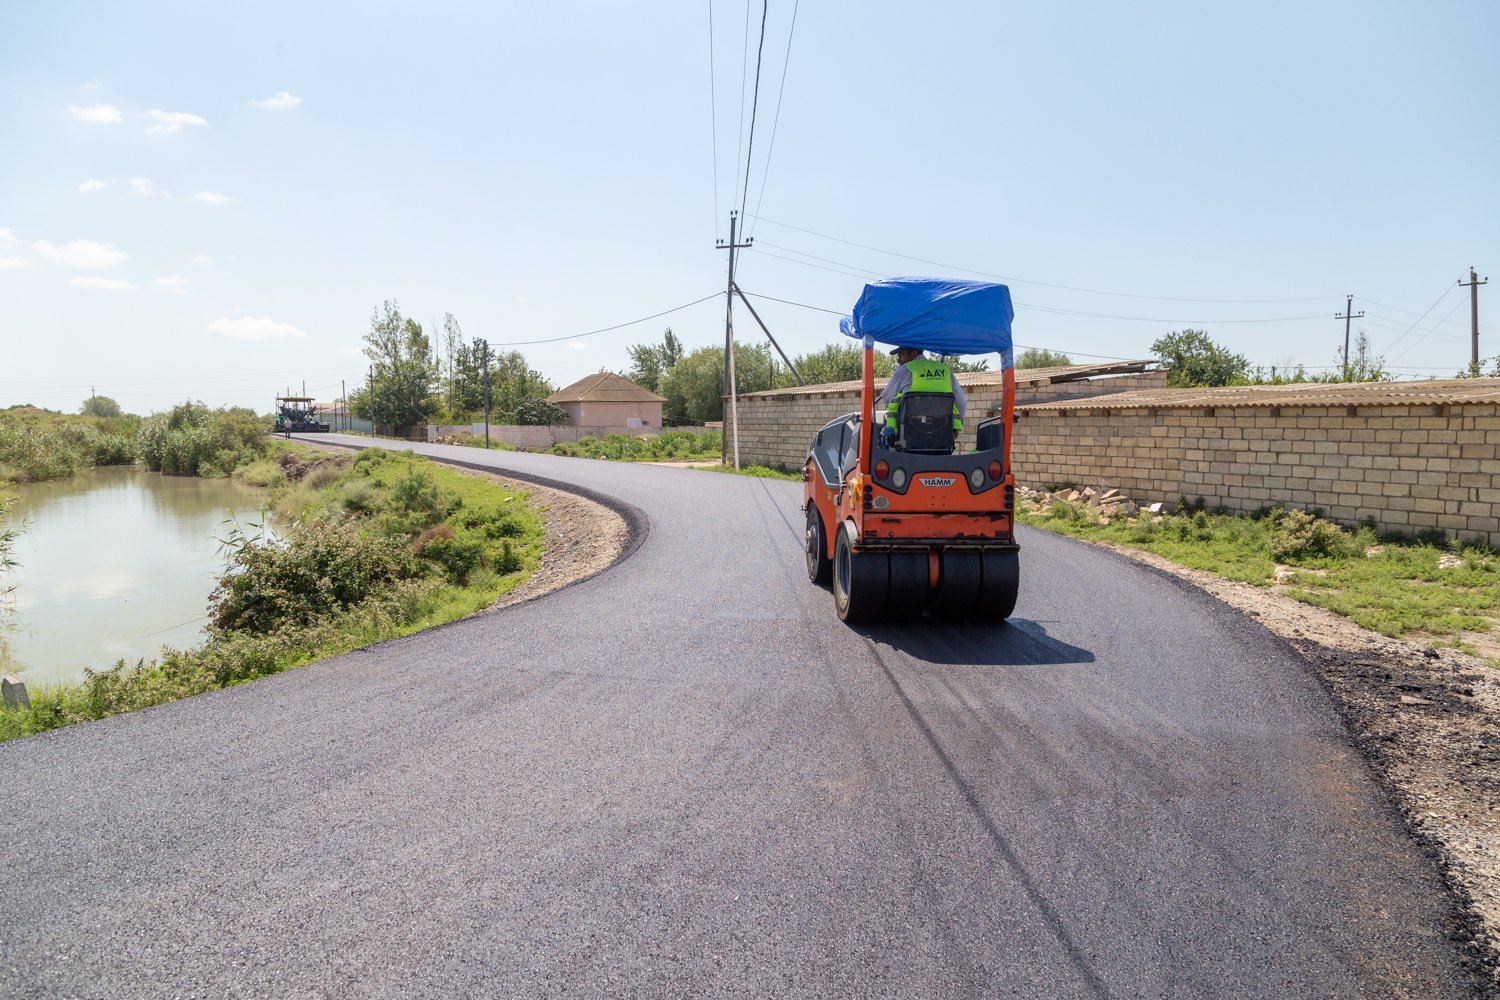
column 898, row 520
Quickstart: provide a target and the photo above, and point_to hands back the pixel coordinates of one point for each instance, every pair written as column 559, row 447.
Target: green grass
column 704, row 446
column 461, row 542
column 760, row 471
column 1399, row 589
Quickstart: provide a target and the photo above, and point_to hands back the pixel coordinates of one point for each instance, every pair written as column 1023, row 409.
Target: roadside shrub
column 322, row 476
column 456, row 555
column 359, row 495
column 437, row 531
column 509, row 561
column 261, row 472
column 1297, row 536
column 416, row 493
column 504, row 527
column 190, row 439
column 322, row 567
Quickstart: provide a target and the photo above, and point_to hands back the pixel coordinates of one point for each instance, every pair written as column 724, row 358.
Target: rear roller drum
column 960, row 585
column 1002, row 581
column 908, row 594
column 819, row 566
column 861, row 581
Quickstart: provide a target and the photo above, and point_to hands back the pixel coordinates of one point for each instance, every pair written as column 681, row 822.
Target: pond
column 114, row 563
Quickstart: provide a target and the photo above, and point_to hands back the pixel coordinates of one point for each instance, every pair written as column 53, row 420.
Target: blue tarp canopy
column 935, row 314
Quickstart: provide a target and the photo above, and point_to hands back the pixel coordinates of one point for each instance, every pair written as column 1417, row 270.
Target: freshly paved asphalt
column 685, row 777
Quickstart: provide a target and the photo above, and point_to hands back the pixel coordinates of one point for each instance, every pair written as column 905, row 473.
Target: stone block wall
column 1407, row 467
column 776, row 427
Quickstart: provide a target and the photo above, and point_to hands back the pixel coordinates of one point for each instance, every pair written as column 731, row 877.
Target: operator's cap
column 898, row 350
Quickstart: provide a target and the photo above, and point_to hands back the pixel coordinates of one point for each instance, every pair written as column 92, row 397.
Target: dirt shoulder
column 1427, row 718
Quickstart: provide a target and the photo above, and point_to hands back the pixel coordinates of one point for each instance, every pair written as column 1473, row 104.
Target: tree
column 1363, row 365
column 835, row 363
column 539, row 412
column 960, row 365
column 1476, row 369
column 1036, row 357
column 651, row 362
column 694, row 388
column 1192, row 359
column 100, row 406
column 513, row 383
column 406, row 376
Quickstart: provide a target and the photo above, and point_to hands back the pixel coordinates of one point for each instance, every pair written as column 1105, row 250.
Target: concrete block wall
column 1407, row 467
column 775, row 428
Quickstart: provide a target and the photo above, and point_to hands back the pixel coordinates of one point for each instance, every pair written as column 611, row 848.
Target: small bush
column 359, row 495
column 456, row 555
column 1297, row 536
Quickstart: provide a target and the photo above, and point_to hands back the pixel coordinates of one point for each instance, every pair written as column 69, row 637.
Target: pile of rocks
column 1110, row 503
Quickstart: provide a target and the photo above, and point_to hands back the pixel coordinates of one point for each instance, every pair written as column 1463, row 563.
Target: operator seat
column 924, row 423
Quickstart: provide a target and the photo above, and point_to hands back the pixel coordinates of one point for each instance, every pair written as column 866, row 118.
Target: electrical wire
column 1448, row 290
column 1456, row 306
column 1408, row 312
column 606, row 329
column 1040, row 284
column 739, row 138
column 776, row 120
column 713, row 111
column 754, row 104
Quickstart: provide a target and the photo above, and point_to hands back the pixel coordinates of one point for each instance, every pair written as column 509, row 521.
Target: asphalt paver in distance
column 684, row 776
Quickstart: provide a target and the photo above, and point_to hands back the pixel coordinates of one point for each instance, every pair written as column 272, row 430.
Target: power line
column 744, row 71
column 1040, row 284
column 1410, row 313
column 754, row 104
column 1424, row 336
column 606, row 329
column 1447, row 290
column 776, row 120
column 713, row 110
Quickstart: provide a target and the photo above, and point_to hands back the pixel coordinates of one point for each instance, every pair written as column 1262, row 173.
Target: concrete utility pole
column 1347, row 316
column 374, row 426
column 483, row 347
column 1473, row 285
column 343, row 423
column 730, row 387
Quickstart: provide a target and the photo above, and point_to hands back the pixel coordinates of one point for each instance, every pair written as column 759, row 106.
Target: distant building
column 609, row 402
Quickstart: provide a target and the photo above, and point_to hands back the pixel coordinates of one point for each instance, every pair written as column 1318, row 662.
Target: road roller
column 907, row 524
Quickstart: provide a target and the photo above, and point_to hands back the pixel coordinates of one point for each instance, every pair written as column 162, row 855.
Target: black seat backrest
column 924, row 423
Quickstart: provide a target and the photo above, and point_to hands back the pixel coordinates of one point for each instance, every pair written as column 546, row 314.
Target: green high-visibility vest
column 926, row 376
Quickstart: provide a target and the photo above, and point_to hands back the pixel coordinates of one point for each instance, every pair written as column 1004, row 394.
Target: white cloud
column 254, row 328
column 202, row 258
column 212, row 198
column 14, row 263
column 103, row 284
column 283, row 101
column 577, row 345
column 142, row 187
column 92, row 185
column 85, row 254
column 172, row 285
column 171, row 122
column 8, row 239
column 97, row 114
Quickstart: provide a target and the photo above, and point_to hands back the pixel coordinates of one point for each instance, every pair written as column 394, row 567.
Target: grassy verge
column 378, row 545
column 702, row 445
column 760, row 471
column 1437, row 589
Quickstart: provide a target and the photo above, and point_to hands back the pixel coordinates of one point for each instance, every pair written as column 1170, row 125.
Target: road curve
column 685, row 777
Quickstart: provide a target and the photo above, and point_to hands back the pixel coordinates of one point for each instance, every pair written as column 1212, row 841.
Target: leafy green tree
column 100, row 406
column 513, row 383
column 651, row 362
column 539, row 412
column 834, row 363
column 406, row 376
column 1036, row 357
column 1364, row 365
column 960, row 365
column 1476, row 369
column 1192, row 359
column 694, row 388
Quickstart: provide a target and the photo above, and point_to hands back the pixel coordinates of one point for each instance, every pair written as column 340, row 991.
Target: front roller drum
column 1002, row 582
column 861, row 581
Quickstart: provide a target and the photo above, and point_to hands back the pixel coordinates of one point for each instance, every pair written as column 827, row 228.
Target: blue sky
column 170, row 227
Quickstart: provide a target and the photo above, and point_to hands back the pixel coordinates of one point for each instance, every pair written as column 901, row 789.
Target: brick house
column 609, row 402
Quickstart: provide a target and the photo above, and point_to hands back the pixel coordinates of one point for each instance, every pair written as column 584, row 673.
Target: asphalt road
column 685, row 777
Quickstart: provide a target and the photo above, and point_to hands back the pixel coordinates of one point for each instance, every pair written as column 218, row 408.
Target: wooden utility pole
column 1473, row 285
column 730, row 387
column 343, row 423
column 1348, row 315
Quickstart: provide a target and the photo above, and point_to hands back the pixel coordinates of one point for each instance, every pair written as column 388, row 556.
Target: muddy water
column 114, row 563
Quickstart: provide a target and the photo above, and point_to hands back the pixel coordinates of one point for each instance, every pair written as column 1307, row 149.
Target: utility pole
column 374, row 425
column 343, row 406
column 484, row 362
column 1348, row 316
column 1473, row 285
column 730, row 388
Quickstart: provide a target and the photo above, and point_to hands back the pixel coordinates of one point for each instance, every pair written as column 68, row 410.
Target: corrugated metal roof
column 1434, row 392
column 1024, row 376
column 605, row 387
